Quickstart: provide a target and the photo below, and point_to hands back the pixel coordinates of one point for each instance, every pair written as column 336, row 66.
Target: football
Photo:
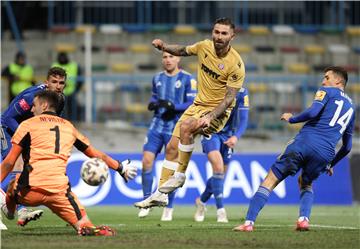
column 94, row 171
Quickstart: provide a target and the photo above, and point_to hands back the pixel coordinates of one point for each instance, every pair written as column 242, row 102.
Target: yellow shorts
column 197, row 111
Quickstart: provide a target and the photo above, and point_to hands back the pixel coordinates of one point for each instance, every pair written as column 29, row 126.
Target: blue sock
column 218, row 188
column 147, row 179
column 205, row 196
column 171, row 199
column 257, row 203
column 306, row 201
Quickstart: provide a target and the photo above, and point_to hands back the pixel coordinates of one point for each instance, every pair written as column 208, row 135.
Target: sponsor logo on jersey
column 24, row 105
column 209, row 71
column 320, row 95
column 158, row 84
column 221, row 66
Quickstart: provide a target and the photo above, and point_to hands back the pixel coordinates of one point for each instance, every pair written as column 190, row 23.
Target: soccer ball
column 94, row 171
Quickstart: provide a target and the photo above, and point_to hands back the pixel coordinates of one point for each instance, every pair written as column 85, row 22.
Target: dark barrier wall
column 244, row 175
column 355, row 176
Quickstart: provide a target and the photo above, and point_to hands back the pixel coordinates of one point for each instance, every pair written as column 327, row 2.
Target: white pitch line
column 225, row 225
column 313, row 225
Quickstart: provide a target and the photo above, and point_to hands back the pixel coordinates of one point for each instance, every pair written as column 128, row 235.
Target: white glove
column 126, row 170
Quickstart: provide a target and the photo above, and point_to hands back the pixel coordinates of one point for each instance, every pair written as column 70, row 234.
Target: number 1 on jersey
column 344, row 120
column 57, row 139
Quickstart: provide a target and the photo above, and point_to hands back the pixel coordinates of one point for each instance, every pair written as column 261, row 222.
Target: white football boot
column 200, row 211
column 25, row 215
column 167, row 214
column 174, row 182
column 144, row 212
column 221, row 215
column 157, row 199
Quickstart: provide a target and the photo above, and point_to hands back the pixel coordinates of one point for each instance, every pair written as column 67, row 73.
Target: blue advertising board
column 244, row 175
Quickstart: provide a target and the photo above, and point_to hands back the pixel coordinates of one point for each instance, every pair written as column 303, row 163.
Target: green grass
column 333, row 227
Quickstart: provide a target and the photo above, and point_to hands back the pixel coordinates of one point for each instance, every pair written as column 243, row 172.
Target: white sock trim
column 170, row 165
column 249, row 222
column 186, row 147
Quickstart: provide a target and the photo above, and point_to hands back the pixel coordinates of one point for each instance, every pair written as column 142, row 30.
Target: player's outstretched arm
column 310, row 113
column 177, row 50
column 125, row 169
column 8, row 164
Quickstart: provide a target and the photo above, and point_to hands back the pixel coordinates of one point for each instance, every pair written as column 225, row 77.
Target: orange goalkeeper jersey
column 47, row 141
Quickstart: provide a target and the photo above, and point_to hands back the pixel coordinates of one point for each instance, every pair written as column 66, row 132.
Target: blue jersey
column 336, row 117
column 237, row 122
column 19, row 109
column 179, row 89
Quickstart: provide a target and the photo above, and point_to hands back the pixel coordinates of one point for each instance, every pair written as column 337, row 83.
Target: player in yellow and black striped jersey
column 221, row 73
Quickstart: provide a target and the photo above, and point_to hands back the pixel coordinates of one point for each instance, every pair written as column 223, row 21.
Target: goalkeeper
column 46, row 141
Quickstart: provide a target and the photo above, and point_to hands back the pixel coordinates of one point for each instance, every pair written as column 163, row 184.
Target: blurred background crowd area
column 285, row 47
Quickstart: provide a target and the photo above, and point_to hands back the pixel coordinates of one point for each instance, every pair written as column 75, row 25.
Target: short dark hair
column 56, row 71
column 225, row 21
column 338, row 71
column 51, row 97
column 19, row 55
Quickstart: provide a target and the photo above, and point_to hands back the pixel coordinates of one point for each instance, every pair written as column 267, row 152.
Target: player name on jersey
column 52, row 119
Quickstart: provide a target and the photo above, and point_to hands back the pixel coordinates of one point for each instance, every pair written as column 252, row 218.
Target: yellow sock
column 167, row 170
column 185, row 152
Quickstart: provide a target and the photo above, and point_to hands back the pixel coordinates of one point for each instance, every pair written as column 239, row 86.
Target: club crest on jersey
column 178, row 84
column 221, row 66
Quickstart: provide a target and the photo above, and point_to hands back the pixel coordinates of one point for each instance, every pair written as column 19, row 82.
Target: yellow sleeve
column 237, row 76
column 193, row 49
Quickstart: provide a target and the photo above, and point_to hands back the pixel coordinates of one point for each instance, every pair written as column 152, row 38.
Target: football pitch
column 331, row 227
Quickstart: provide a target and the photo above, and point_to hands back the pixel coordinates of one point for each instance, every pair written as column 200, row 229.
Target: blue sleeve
column 308, row 114
column 154, row 97
column 344, row 150
column 18, row 109
column 346, row 142
column 243, row 121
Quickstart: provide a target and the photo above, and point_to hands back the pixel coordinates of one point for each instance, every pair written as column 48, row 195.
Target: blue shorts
column 216, row 142
column 5, row 142
column 155, row 141
column 296, row 156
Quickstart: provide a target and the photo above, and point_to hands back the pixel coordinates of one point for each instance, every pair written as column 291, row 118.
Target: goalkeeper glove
column 168, row 105
column 126, row 170
column 153, row 106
